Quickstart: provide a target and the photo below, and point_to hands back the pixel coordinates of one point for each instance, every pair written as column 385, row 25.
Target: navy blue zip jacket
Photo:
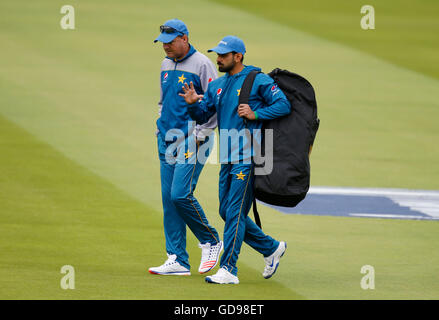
column 222, row 97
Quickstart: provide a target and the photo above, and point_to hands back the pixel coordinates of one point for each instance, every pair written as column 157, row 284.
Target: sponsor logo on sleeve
column 274, row 89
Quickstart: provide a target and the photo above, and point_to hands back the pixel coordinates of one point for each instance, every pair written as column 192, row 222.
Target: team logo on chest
column 181, row 78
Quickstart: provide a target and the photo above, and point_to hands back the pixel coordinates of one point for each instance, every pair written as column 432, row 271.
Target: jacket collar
column 191, row 52
column 244, row 72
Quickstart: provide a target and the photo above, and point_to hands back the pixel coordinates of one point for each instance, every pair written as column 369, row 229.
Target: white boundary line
column 391, row 216
column 374, row 192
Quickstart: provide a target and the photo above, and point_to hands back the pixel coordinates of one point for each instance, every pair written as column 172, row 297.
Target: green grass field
column 79, row 180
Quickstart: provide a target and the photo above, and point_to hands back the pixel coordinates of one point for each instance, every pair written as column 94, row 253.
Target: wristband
column 256, row 115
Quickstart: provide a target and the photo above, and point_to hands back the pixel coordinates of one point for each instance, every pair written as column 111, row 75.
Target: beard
column 226, row 68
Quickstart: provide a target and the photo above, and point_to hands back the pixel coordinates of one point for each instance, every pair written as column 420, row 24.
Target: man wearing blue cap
column 179, row 141
column 266, row 101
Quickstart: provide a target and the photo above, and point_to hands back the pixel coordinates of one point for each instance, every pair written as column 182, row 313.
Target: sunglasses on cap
column 167, row 29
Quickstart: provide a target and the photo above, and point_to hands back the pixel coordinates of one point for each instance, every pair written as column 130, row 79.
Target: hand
column 244, row 111
column 190, row 95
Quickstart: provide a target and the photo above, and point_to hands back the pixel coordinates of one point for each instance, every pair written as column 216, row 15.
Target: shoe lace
column 171, row 259
column 222, row 272
column 208, row 251
column 205, row 250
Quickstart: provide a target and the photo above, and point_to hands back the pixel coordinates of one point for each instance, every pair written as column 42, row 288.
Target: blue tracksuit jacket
column 222, row 97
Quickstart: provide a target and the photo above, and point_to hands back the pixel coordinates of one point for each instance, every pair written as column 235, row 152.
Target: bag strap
column 244, row 96
column 246, row 88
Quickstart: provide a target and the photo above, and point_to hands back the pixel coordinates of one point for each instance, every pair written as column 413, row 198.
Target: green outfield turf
column 79, row 181
column 405, row 31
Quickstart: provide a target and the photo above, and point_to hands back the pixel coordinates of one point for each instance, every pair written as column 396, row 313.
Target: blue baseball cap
column 171, row 29
column 229, row 44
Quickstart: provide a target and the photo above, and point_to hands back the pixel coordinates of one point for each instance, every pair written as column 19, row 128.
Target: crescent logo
column 218, row 92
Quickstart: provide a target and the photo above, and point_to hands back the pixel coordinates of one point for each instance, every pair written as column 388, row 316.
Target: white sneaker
column 209, row 256
column 170, row 267
column 272, row 262
column 223, row 277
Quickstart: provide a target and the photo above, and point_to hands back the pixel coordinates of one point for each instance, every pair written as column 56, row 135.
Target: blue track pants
column 180, row 207
column 236, row 196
